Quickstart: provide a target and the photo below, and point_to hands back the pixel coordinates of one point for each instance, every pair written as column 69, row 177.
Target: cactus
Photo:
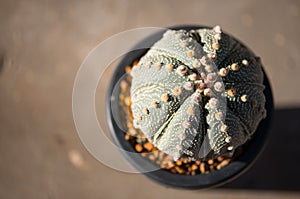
column 198, row 94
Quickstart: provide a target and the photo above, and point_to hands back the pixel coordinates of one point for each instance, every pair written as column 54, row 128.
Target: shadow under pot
column 191, row 111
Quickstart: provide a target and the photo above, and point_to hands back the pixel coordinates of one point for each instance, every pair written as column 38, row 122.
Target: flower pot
column 248, row 154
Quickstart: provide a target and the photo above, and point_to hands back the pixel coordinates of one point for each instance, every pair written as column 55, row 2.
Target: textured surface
column 208, row 92
column 43, row 43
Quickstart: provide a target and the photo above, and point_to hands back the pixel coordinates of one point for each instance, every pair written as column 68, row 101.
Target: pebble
column 138, row 147
column 148, row 146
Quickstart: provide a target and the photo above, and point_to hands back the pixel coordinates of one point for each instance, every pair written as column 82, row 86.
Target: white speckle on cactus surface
column 189, row 153
column 209, row 94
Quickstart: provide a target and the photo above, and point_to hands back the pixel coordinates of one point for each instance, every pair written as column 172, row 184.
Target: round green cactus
column 198, row 94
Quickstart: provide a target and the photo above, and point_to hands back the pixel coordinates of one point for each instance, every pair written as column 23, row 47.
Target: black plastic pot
column 237, row 167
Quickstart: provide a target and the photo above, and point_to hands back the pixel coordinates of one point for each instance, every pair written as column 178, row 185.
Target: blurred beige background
column 42, row 44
